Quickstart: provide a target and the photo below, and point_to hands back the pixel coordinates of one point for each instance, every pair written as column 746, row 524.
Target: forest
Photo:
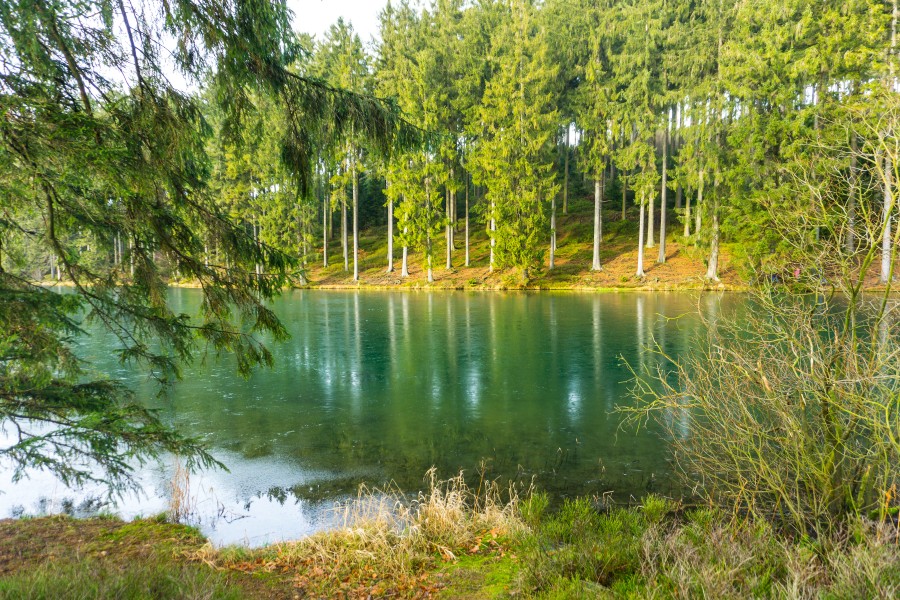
column 764, row 126
column 655, row 444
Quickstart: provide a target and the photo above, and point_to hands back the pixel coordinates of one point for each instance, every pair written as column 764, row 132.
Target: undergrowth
column 454, row 541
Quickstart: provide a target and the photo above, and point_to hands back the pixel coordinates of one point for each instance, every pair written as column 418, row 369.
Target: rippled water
column 378, row 387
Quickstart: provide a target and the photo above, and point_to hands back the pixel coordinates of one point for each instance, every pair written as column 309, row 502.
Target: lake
column 378, row 387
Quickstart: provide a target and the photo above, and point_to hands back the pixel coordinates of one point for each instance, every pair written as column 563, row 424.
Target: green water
column 379, row 387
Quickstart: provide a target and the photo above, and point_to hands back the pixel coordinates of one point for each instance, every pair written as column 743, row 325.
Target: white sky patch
column 315, row 16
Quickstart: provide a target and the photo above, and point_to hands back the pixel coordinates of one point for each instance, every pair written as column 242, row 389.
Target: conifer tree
column 514, row 154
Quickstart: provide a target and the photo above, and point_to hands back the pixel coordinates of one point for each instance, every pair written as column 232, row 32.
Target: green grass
column 93, row 578
column 457, row 544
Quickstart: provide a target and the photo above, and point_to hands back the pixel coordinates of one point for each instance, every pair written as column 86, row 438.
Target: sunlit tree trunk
column 712, row 269
column 390, row 231
column 565, row 206
column 355, row 222
column 698, row 221
column 404, row 271
column 663, row 203
column 552, row 232
column 650, row 221
column 493, row 227
column 640, row 265
column 888, row 209
column 449, row 234
column 598, row 222
column 850, row 233
column 467, row 222
column 428, row 245
column 887, row 219
column 344, row 230
column 326, row 213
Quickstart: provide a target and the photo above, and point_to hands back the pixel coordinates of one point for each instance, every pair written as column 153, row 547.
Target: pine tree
column 514, row 155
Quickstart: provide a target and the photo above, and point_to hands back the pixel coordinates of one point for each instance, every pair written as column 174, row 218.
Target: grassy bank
column 684, row 268
column 457, row 543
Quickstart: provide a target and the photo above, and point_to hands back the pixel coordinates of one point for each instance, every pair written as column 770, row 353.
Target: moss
column 479, row 577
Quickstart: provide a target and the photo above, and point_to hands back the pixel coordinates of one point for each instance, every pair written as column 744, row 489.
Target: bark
column 404, row 271
column 428, row 245
column 886, row 241
column 325, row 214
column 493, row 241
column 712, row 269
column 624, row 195
column 598, row 222
column 449, row 233
column 552, row 232
column 467, row 223
column 687, row 213
column 453, row 220
column 566, row 175
column 650, row 221
column 887, row 218
column 344, row 231
column 663, row 203
column 640, row 265
column 850, row 233
column 698, row 221
column 355, row 223
column 390, row 232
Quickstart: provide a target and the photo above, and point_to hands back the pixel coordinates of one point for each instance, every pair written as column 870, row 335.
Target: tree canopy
column 100, row 152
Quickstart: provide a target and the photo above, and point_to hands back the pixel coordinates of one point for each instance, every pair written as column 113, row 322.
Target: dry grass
column 386, row 543
column 181, row 505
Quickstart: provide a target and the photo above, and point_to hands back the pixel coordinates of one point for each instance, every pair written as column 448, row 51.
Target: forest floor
column 684, row 268
column 446, row 550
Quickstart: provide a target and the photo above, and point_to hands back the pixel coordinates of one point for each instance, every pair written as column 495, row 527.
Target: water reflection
column 379, row 387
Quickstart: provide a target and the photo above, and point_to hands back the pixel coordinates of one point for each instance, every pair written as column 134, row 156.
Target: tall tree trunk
column 888, row 209
column 687, row 213
column 493, row 227
column 467, row 219
column 344, row 230
column 650, row 220
column 404, row 271
column 355, row 222
column 712, row 269
column 887, row 218
column 598, row 222
column 326, row 213
column 429, row 253
column 663, row 202
column 566, row 174
column 552, row 232
column 698, row 220
column 850, row 233
column 624, row 193
column 453, row 219
column 390, row 231
column 449, row 229
column 258, row 267
column 640, row 265
column 676, row 143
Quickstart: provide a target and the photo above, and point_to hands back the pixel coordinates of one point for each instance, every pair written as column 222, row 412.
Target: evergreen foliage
column 115, row 181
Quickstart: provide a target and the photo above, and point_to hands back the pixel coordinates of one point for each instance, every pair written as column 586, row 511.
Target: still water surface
column 378, row 387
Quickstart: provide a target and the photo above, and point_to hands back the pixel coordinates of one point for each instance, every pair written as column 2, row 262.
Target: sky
column 314, row 16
